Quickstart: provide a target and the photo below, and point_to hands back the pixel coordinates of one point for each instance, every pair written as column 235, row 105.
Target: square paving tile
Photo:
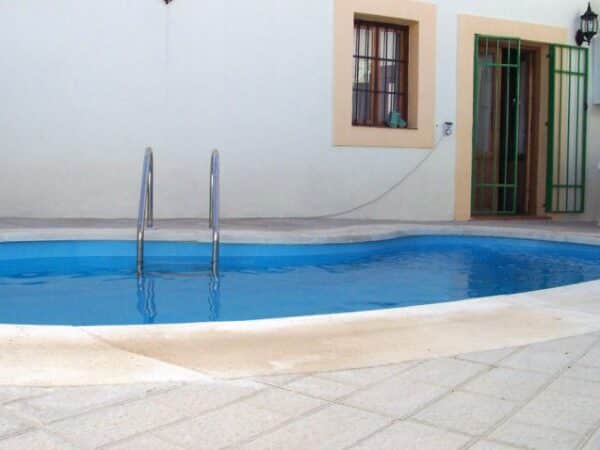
column 366, row 376
column 10, row 424
column 284, row 402
column 413, row 436
column 491, row 445
column 223, row 427
column 592, row 358
column 507, row 384
column 488, row 357
column 321, row 387
column 444, row 371
column 11, row 393
column 557, row 410
column 576, row 386
column 593, row 442
column 197, row 398
column 66, row 402
column 575, row 345
column 277, row 380
column 537, row 360
column 239, row 421
column 535, row 437
column 396, row 397
column 143, row 442
column 466, row 412
column 334, row 427
column 35, row 440
column 584, row 372
column 106, row 425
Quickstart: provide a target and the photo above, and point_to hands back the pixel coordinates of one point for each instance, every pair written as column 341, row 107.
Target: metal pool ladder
column 146, row 206
column 213, row 215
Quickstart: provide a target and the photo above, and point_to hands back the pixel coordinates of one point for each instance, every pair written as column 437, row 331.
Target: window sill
column 382, row 127
column 362, row 136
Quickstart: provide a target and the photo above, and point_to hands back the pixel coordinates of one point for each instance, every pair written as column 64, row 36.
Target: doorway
column 505, row 134
column 529, row 128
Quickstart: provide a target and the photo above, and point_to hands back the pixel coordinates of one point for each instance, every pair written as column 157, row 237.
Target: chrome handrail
column 146, row 206
column 213, row 215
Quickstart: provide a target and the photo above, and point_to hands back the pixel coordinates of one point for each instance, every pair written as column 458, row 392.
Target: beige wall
column 420, row 17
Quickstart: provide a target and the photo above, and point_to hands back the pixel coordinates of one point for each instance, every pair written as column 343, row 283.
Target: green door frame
column 504, row 185
column 567, row 129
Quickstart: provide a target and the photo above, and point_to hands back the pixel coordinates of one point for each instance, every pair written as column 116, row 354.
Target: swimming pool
column 94, row 282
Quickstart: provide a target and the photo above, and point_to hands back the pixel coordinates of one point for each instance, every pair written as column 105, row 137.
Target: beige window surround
column 420, row 17
column 468, row 27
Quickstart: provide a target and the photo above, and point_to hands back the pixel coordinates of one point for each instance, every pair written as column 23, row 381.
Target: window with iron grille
column 379, row 95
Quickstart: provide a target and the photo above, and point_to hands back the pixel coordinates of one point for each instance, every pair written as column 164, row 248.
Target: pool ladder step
column 146, row 210
column 213, row 215
column 145, row 206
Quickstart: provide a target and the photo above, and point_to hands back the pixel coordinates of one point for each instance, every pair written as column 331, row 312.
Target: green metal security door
column 496, row 125
column 567, row 129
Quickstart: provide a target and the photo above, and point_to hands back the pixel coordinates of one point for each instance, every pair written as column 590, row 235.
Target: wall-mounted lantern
column 589, row 27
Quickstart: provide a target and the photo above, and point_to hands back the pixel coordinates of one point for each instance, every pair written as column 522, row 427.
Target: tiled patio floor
column 542, row 396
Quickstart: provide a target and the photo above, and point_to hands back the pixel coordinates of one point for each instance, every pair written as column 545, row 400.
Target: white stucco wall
column 593, row 168
column 85, row 86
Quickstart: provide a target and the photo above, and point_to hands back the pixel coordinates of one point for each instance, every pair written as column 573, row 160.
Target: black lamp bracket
column 579, row 37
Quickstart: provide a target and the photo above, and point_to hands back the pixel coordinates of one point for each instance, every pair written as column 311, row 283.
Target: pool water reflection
column 94, row 283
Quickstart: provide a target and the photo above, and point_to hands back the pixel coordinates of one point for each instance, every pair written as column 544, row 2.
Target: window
column 380, row 89
column 385, row 66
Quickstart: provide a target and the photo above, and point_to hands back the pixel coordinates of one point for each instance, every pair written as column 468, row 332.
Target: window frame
column 373, row 91
column 421, row 19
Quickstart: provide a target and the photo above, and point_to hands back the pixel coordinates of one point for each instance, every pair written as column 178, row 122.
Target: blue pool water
column 94, row 282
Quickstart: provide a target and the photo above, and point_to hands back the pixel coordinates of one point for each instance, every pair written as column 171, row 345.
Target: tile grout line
column 338, row 401
column 370, row 435
column 406, row 420
column 411, row 364
column 77, row 445
column 274, row 385
column 486, row 367
column 588, row 436
column 278, row 426
column 152, row 430
column 47, row 429
column 100, row 407
column 40, row 427
column 142, row 433
column 514, row 351
column 15, row 434
column 46, row 426
column 28, row 397
column 449, row 390
column 357, row 388
column 459, row 388
column 331, row 402
column 521, row 405
column 409, row 416
column 504, row 444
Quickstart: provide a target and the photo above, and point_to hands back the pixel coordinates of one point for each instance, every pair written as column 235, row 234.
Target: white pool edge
column 50, row 355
